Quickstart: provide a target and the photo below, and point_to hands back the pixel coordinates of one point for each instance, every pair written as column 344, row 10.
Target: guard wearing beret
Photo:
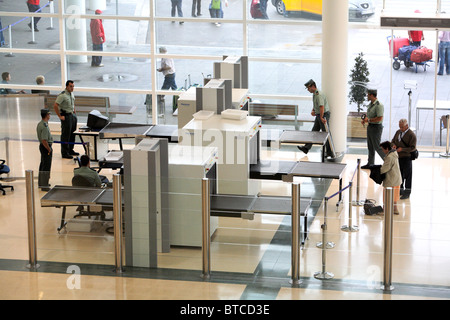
column 45, row 148
column 321, row 112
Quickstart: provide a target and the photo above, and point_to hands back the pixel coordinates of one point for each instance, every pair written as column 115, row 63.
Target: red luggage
column 398, row 43
column 421, row 54
column 255, row 10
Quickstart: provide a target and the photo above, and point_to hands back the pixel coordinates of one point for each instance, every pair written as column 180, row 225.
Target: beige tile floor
column 421, row 244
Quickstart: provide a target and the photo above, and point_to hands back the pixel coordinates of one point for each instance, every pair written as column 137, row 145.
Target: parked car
column 357, row 9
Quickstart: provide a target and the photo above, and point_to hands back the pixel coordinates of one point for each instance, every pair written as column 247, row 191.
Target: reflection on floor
column 250, row 258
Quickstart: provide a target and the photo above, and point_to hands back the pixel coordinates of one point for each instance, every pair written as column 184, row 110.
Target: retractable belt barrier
column 9, row 27
column 324, row 244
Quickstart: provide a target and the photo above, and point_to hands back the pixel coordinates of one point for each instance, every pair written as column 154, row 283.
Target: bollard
column 446, row 154
column 9, row 55
column 388, row 236
column 33, row 41
column 52, row 10
column 31, row 218
column 358, row 202
column 206, row 235
column 118, row 222
column 329, row 245
column 350, row 227
column 295, row 231
column 324, row 275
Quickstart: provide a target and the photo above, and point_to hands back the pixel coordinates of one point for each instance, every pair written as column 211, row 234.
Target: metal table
column 69, row 196
column 287, row 170
column 298, row 138
column 124, row 131
column 169, row 132
column 242, row 206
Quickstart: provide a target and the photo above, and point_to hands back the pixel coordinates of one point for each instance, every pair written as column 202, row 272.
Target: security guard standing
column 321, row 112
column 45, row 147
column 65, row 110
column 374, row 118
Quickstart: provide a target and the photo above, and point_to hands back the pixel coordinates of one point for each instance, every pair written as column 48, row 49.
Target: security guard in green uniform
column 90, row 174
column 65, row 110
column 374, row 118
column 45, row 148
column 321, row 112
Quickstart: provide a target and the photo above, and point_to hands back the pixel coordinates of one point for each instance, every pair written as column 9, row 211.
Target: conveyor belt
column 124, row 130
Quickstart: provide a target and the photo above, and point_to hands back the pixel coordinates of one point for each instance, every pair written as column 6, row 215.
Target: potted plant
column 359, row 78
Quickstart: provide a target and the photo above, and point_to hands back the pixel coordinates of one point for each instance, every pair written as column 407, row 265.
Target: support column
column 334, row 67
column 76, row 38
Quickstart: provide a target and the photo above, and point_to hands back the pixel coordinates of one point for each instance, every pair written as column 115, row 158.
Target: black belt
column 63, row 112
column 374, row 124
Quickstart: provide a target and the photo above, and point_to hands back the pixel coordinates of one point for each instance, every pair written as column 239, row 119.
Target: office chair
column 4, row 169
column 443, row 126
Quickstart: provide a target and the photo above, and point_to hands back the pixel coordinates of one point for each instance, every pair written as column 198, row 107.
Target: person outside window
column 98, row 39
column 444, row 52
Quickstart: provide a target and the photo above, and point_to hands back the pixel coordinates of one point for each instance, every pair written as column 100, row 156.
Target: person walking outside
column 263, row 8
column 2, row 38
column 321, row 112
column 45, row 148
column 65, row 110
column 215, row 10
column 177, row 7
column 374, row 118
column 98, row 38
column 197, row 4
column 391, row 169
column 404, row 142
column 444, row 52
column 33, row 6
column 168, row 70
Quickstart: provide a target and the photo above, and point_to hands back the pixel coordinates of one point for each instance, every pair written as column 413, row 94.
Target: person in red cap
column 98, row 38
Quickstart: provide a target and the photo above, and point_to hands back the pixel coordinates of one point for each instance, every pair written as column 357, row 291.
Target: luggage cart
column 400, row 43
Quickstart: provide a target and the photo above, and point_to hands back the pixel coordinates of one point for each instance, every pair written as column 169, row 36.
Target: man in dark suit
column 404, row 142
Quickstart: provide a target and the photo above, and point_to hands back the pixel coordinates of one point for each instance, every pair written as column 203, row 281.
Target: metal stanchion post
column 52, row 10
column 10, row 42
column 446, row 154
column 358, row 201
column 31, row 218
column 295, row 230
column 33, row 41
column 206, row 235
column 329, row 245
column 388, row 237
column 350, row 227
column 324, row 275
column 118, row 222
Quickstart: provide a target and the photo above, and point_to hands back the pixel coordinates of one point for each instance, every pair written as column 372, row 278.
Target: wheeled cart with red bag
column 411, row 56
